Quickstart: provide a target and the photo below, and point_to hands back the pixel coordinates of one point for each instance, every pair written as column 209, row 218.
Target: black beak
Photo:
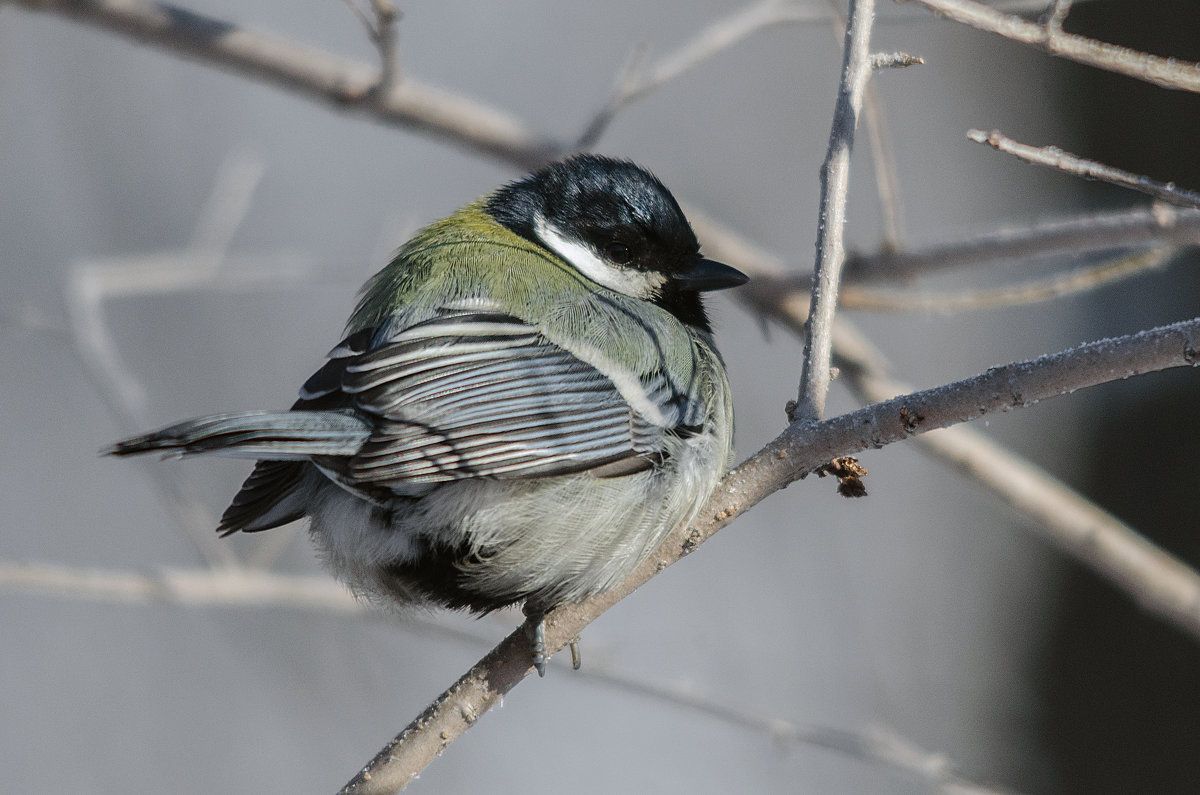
column 702, row 275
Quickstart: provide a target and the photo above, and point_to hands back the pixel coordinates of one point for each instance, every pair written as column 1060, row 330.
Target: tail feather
column 265, row 435
column 274, row 494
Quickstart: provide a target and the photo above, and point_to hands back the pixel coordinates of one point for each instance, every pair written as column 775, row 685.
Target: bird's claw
column 535, row 627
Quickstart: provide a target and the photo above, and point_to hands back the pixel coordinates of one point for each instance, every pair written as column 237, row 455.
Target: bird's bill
column 704, row 275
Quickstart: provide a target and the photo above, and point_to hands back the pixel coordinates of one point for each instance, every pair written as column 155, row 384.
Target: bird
column 526, row 401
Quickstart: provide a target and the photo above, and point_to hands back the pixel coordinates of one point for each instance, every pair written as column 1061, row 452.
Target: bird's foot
column 535, row 627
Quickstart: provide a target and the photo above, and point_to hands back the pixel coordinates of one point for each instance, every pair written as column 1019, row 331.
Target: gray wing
column 483, row 394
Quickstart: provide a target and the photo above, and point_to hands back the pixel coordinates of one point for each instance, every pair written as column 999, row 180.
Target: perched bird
column 526, row 402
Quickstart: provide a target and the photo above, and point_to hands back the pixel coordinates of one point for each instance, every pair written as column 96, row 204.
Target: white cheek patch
column 628, row 281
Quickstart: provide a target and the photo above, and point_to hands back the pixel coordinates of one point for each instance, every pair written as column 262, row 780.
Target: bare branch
column 227, row 587
column 887, row 181
column 835, row 182
column 1159, row 582
column 382, row 33
column 624, row 93
column 1164, row 72
column 227, row 205
column 1056, row 14
column 798, row 450
column 92, row 284
column 363, row 19
column 1053, row 157
column 1028, row 6
column 1159, row 225
column 1057, row 286
column 894, row 60
column 389, row 49
column 312, row 73
column 634, row 82
column 877, row 745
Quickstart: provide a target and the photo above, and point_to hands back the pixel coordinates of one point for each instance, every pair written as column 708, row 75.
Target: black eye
column 619, row 253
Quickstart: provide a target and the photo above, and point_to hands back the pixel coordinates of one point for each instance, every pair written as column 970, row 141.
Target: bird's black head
column 615, row 223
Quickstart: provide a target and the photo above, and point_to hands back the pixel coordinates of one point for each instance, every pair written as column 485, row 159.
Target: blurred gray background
column 926, row 608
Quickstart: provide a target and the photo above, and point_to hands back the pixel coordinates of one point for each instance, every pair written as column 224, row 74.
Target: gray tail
column 265, row 435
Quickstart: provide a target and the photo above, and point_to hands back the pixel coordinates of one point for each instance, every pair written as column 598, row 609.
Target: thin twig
column 389, row 48
column 1158, row 225
column 1058, row 286
column 877, row 745
column 226, row 206
column 894, row 60
column 798, row 450
column 221, row 587
column 835, row 181
column 1164, row 72
column 1028, row 6
column 1056, row 14
column 634, row 82
column 385, row 40
column 883, row 161
column 623, row 91
column 382, row 33
column 92, row 285
column 1053, row 157
column 224, row 587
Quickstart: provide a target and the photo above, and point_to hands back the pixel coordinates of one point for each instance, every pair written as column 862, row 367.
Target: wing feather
column 483, row 394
